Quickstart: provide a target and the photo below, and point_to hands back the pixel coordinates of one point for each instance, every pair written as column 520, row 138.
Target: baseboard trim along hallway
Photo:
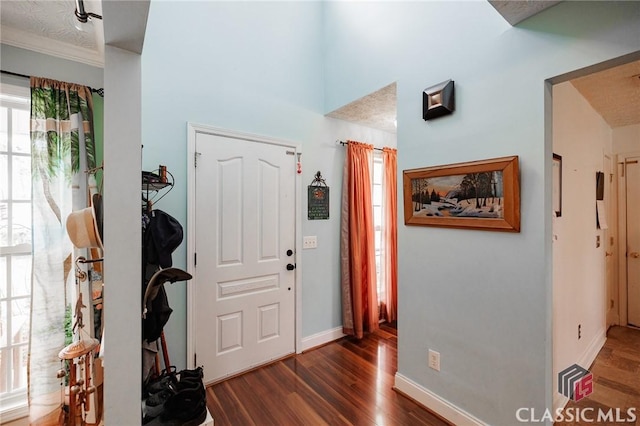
column 434, row 403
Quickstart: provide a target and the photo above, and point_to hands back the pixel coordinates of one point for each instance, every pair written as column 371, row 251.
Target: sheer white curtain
column 62, row 147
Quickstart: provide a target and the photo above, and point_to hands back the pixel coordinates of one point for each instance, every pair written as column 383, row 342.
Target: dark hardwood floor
column 616, row 378
column 350, row 382
column 347, row 382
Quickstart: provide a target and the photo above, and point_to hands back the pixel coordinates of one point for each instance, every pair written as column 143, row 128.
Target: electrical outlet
column 309, row 242
column 434, row 360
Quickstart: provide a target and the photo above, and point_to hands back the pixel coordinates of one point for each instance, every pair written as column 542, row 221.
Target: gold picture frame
column 481, row 194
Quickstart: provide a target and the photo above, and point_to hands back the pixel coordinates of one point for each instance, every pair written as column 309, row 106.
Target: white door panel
column 245, row 223
column 633, row 241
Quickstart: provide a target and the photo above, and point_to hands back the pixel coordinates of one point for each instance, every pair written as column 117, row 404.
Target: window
column 15, row 244
column 376, row 196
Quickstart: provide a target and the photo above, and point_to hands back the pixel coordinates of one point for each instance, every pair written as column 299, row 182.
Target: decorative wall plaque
column 318, row 199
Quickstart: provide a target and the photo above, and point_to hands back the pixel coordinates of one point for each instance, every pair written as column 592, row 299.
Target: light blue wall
column 254, row 67
column 251, row 67
column 482, row 299
column 27, row 62
column 321, row 294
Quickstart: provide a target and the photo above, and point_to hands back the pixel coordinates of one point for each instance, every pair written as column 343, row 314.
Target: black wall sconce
column 438, row 100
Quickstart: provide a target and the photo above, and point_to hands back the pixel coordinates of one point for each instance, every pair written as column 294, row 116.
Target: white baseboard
column 433, row 402
column 559, row 400
column 321, row 338
column 585, row 361
column 594, row 347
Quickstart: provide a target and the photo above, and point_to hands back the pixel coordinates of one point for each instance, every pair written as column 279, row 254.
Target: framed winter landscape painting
column 478, row 195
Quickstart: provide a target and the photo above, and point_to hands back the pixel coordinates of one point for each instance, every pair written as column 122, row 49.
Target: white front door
column 633, row 240
column 245, row 235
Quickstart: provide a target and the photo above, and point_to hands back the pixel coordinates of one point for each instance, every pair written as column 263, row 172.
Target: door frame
column 622, row 235
column 192, row 131
column 610, row 239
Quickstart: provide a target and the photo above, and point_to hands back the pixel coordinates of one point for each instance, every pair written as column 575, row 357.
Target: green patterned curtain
column 62, row 147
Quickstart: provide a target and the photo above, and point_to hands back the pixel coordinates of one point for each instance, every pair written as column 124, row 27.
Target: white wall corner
column 321, row 338
column 434, row 403
column 122, row 231
column 585, row 361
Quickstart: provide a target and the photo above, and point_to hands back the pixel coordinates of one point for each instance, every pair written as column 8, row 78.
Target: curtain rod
column 343, row 143
column 99, row 91
column 14, row 74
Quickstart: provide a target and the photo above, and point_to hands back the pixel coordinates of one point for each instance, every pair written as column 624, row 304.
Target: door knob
column 290, row 267
column 634, row 254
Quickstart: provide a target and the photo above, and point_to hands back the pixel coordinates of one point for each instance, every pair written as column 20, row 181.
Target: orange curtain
column 389, row 255
column 360, row 300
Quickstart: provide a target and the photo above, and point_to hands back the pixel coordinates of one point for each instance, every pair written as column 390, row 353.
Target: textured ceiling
column 49, row 26
column 377, row 110
column 519, row 10
column 614, row 93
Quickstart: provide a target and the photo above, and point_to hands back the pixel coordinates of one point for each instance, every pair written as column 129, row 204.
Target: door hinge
column 195, row 259
column 195, row 362
column 195, row 158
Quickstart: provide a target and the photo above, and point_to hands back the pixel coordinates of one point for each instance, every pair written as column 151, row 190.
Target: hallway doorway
column 589, row 240
column 629, row 202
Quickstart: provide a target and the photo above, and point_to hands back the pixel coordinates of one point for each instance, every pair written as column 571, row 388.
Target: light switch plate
column 309, row 242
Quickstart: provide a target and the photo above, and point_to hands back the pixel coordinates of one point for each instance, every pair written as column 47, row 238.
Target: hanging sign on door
column 318, row 199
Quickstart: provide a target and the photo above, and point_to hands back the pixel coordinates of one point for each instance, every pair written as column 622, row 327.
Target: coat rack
column 152, row 184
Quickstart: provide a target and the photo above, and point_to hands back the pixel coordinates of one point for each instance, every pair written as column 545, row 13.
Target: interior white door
column 609, row 243
column 245, row 235
column 633, row 240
